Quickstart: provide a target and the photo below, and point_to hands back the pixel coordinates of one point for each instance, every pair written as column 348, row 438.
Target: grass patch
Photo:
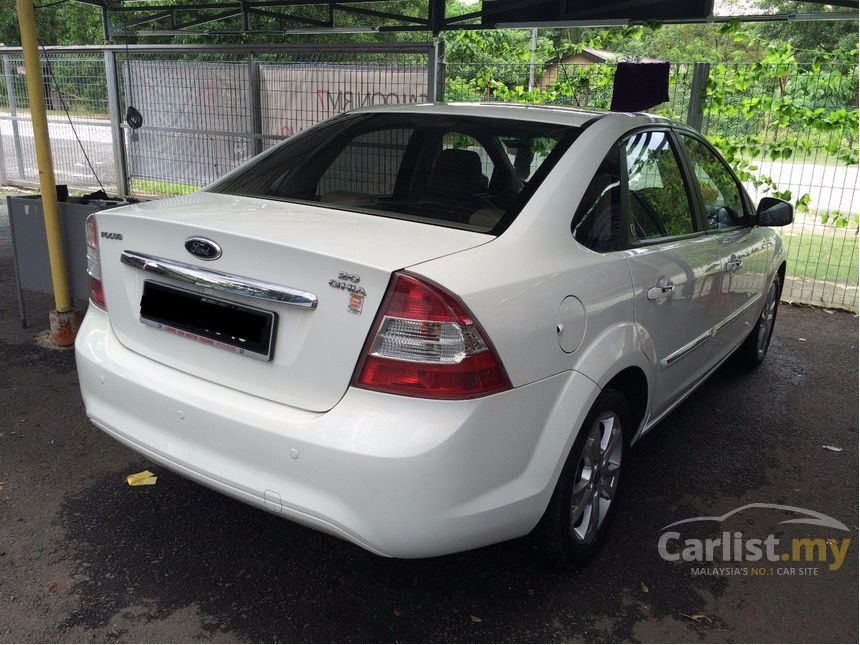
column 823, row 257
column 155, row 188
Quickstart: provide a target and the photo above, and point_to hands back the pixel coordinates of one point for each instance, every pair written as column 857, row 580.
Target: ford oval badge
column 202, row 248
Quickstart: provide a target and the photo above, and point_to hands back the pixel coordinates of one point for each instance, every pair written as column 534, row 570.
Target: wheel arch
column 614, row 359
column 633, row 384
column 620, row 358
column 781, row 273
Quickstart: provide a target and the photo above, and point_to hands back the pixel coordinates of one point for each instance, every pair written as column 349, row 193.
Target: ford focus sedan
column 426, row 329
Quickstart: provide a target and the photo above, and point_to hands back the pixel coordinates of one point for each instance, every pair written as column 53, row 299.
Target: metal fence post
column 431, row 74
column 695, row 109
column 13, row 112
column 255, row 109
column 3, row 177
column 440, row 70
column 436, row 71
column 117, row 135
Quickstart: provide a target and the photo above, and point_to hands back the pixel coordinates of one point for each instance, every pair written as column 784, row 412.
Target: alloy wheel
column 597, row 476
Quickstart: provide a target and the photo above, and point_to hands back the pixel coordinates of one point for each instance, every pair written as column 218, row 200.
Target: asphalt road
column 84, row 557
column 70, row 165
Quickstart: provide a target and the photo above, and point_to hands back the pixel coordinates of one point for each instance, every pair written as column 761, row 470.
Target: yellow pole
column 47, row 184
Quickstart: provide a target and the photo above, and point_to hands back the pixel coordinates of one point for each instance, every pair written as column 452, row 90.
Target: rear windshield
column 461, row 172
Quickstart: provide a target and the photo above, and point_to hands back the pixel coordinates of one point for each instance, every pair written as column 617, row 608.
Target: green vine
column 779, row 109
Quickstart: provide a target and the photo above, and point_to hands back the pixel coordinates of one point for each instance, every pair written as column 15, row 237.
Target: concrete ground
column 84, row 557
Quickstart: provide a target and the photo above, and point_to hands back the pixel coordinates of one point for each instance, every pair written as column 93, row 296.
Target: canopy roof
column 124, row 18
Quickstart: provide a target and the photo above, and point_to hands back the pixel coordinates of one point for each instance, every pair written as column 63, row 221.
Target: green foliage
column 827, row 258
column 493, row 54
column 146, row 187
column 504, row 74
column 777, row 109
column 781, row 109
column 838, row 219
column 70, row 23
column 676, row 43
column 806, row 37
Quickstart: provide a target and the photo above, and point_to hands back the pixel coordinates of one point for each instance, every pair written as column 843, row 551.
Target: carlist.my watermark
column 736, row 553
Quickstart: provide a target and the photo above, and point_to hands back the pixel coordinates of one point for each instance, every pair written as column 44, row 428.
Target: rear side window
column 597, row 223
column 659, row 200
column 443, row 169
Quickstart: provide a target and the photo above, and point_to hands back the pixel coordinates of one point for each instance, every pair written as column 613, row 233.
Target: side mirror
column 774, row 212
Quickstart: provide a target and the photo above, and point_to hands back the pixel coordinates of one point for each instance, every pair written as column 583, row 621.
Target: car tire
column 585, row 494
column 753, row 351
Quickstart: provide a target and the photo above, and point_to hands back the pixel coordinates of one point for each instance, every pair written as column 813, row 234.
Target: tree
column 475, row 58
column 806, row 37
column 67, row 23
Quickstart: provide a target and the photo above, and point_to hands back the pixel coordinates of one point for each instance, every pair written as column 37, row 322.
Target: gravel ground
column 84, row 557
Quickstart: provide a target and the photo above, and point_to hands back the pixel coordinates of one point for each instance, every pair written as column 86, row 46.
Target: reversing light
column 426, row 343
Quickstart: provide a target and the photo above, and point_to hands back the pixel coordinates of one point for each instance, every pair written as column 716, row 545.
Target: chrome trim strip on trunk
column 686, row 349
column 217, row 281
column 738, row 312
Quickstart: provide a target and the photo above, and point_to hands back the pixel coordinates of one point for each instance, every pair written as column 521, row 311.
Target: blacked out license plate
column 220, row 323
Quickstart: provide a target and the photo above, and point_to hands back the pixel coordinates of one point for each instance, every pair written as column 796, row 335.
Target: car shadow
column 261, row 578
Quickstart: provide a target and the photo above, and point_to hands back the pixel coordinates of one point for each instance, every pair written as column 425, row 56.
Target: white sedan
column 429, row 328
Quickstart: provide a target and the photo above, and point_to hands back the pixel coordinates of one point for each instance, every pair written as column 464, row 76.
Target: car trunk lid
column 343, row 260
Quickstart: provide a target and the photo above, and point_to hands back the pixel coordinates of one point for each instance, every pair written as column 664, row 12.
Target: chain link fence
column 76, row 99
column 203, row 117
column 205, row 110
column 790, row 133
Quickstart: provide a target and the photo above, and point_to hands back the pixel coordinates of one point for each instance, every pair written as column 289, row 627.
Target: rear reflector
column 94, row 265
column 425, row 343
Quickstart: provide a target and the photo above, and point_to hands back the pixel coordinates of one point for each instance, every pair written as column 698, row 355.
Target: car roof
column 561, row 115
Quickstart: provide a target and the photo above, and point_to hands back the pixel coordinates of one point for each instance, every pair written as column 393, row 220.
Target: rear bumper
column 401, row 477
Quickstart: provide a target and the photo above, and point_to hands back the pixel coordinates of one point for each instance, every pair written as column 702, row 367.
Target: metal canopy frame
column 130, row 18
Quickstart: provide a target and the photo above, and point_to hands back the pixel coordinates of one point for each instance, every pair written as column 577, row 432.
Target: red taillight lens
column 94, row 264
column 426, row 343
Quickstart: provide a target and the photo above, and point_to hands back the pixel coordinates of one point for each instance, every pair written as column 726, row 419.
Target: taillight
column 425, row 343
column 94, row 264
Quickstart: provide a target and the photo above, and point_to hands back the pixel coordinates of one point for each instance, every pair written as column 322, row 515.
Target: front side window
column 448, row 170
column 659, row 200
column 724, row 205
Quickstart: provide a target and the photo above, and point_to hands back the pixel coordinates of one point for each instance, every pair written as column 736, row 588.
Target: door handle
column 733, row 264
column 663, row 289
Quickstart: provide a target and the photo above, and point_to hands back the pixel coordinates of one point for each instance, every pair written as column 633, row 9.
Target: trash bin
column 30, row 245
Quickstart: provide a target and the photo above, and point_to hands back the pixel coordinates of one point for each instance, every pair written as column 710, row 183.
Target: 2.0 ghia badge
column 202, row 248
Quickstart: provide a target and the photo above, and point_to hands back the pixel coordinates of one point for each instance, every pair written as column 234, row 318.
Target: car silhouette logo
column 202, row 248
